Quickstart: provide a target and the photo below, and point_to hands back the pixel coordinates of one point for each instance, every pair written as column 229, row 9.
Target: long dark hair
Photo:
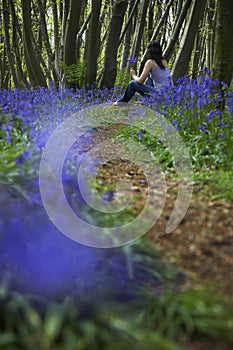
column 154, row 52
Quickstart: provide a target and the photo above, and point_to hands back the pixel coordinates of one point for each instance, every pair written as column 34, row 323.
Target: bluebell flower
column 168, row 128
column 23, row 157
column 139, row 133
column 207, row 71
column 203, row 128
column 132, row 61
column 222, row 135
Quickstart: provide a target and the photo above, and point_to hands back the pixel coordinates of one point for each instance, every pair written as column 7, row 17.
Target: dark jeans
column 133, row 87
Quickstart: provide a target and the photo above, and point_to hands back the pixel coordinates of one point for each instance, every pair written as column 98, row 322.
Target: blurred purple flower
column 139, row 133
column 24, row 156
column 132, row 61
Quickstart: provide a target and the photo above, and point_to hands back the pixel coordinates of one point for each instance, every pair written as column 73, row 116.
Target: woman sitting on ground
column 155, row 67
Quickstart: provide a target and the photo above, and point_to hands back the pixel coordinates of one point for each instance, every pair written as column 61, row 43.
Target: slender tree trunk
column 175, row 34
column 181, row 65
column 162, row 20
column 3, row 63
column 65, row 11
column 71, row 31
column 132, row 9
column 56, row 36
column 81, row 32
column 9, row 51
column 45, row 35
column 32, row 62
column 150, row 20
column 155, row 33
column 16, row 38
column 110, row 62
column 223, row 56
column 211, row 15
column 128, row 34
column 197, row 55
column 93, row 42
column 82, row 16
column 139, row 29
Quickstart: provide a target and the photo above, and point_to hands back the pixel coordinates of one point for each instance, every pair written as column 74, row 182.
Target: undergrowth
column 161, row 316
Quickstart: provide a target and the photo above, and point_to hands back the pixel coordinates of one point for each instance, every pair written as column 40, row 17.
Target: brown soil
column 201, row 246
column 203, row 243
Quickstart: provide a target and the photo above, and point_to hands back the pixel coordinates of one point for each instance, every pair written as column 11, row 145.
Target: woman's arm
column 146, row 70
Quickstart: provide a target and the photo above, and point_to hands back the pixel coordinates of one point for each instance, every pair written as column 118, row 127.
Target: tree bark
column 181, row 65
column 128, row 33
column 110, row 61
column 162, row 19
column 150, row 20
column 93, row 42
column 132, row 8
column 9, row 51
column 71, row 31
column 175, row 34
column 45, row 36
column 81, row 32
column 223, row 56
column 196, row 56
column 139, row 29
column 211, row 16
column 56, row 36
column 32, row 62
column 4, row 69
column 16, row 38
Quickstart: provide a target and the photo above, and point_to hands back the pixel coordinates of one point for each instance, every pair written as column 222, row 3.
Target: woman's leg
column 134, row 87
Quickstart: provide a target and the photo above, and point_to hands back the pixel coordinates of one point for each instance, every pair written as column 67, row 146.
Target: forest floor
column 201, row 246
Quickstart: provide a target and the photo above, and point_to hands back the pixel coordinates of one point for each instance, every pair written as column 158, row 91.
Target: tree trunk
column 3, row 64
column 156, row 32
column 132, row 8
column 211, row 18
column 128, row 33
column 223, row 56
column 141, row 22
column 16, row 38
column 196, row 56
column 9, row 51
column 56, row 36
column 71, row 31
column 65, row 11
column 32, row 62
column 45, row 36
column 93, row 42
column 181, row 65
column 175, row 34
column 150, row 20
column 162, row 20
column 81, row 32
column 110, row 61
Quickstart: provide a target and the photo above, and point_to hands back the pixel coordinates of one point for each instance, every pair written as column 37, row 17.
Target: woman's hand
column 132, row 72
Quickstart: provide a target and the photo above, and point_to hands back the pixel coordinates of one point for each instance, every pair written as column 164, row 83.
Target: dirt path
column 202, row 245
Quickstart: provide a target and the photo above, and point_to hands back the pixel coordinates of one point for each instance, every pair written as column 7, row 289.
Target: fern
column 75, row 74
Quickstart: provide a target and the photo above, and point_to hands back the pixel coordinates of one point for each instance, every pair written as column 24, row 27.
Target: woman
column 155, row 67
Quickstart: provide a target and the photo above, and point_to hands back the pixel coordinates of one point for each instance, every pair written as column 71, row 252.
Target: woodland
column 89, row 42
column 115, row 221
